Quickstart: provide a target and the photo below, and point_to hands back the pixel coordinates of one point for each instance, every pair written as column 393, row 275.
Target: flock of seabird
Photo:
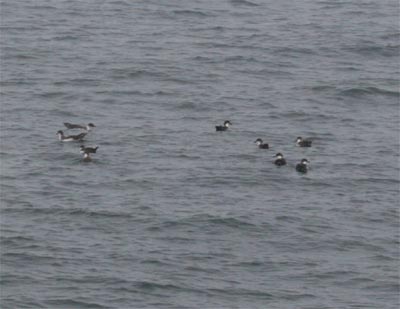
column 301, row 167
column 86, row 151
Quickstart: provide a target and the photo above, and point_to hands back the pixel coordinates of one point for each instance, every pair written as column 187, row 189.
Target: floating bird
column 279, row 159
column 70, row 138
column 84, row 149
column 223, row 127
column 303, row 142
column 86, row 157
column 88, row 127
column 261, row 144
column 302, row 167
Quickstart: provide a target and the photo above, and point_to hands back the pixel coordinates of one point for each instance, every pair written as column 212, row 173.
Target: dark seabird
column 261, row 144
column 84, row 149
column 279, row 159
column 303, row 142
column 223, row 127
column 70, row 138
column 88, row 127
column 302, row 167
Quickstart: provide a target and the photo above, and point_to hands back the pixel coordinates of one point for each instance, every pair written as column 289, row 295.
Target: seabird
column 88, row 127
column 302, row 167
column 86, row 157
column 261, row 144
column 84, row 149
column 303, row 142
column 279, row 159
column 224, row 127
column 70, row 138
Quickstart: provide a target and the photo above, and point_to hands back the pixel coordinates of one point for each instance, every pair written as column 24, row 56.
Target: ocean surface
column 170, row 213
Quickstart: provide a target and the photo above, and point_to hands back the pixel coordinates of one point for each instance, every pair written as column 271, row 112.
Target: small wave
column 202, row 220
column 22, row 29
column 210, row 28
column 65, row 211
column 107, row 214
column 84, row 82
column 331, row 4
column 115, row 93
column 384, row 286
column 135, row 73
column 299, row 296
column 294, row 114
column 66, row 38
column 204, row 59
column 244, row 293
column 323, row 88
column 22, row 257
column 187, row 105
column 146, row 285
column 353, row 13
column 16, row 82
column 353, row 281
column 391, row 36
column 243, row 2
column 250, row 264
column 385, row 258
column 334, row 274
column 374, row 50
column 239, row 58
column 374, row 180
column 180, row 80
column 155, row 262
column 195, row 107
column 143, row 73
column 215, row 44
column 52, row 94
column 20, row 56
column 149, row 286
column 268, row 72
column 62, row 113
column 296, row 50
column 25, row 110
column 190, row 13
column 358, row 92
column 41, row 7
column 269, row 106
column 73, row 303
column 120, row 2
column 16, row 241
column 289, row 219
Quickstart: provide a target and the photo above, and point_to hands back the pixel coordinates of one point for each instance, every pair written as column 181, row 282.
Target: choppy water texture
column 170, row 213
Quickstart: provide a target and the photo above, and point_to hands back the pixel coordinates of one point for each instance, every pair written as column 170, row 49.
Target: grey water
column 170, row 213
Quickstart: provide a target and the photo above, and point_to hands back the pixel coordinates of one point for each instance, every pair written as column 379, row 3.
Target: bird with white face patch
column 259, row 142
column 302, row 167
column 224, row 127
column 303, row 142
column 86, row 157
column 280, row 160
